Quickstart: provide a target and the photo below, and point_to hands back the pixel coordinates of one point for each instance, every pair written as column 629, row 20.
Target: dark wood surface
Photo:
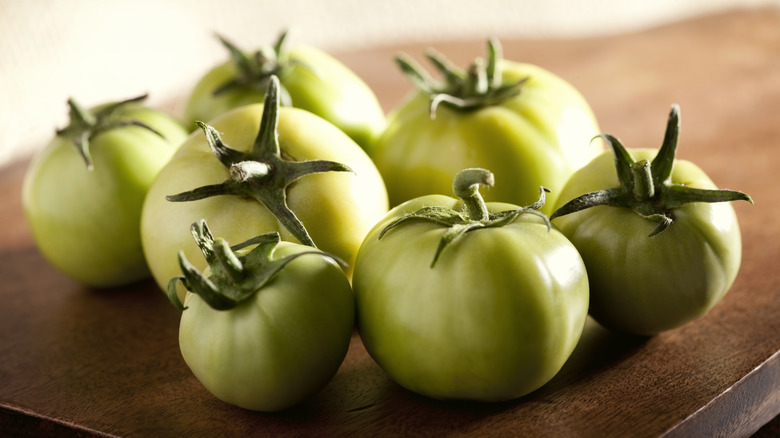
column 77, row 362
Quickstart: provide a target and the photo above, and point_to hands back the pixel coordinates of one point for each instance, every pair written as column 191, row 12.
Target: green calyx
column 473, row 214
column 479, row 86
column 255, row 70
column 234, row 277
column 262, row 173
column 85, row 125
column 646, row 187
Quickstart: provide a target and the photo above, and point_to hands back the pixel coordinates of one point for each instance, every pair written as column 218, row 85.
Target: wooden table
column 77, row 362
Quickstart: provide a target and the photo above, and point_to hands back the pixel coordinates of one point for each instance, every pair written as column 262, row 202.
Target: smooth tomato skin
column 281, row 346
column 495, row 319
column 645, row 285
column 538, row 138
column 337, row 208
column 87, row 223
column 330, row 89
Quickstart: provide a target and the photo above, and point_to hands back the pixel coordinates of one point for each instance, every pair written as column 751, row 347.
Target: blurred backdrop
column 101, row 50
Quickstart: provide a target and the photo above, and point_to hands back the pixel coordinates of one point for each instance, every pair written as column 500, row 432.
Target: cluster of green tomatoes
column 330, row 215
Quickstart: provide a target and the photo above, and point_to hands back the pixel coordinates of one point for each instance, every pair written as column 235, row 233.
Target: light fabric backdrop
column 101, row 50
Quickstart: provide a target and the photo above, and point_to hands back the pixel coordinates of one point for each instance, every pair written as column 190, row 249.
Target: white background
column 101, row 50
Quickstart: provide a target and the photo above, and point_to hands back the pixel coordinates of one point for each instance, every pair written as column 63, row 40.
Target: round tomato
column 263, row 328
column 461, row 299
column 660, row 245
column 83, row 193
column 310, row 79
column 529, row 126
column 248, row 177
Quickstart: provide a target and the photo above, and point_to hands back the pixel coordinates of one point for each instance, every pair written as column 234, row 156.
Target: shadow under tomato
column 122, row 336
column 362, row 395
column 597, row 350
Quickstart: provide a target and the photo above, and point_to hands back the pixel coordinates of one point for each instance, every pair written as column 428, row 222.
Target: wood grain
column 79, row 362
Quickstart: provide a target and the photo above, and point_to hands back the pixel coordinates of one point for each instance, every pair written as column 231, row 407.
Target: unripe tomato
column 263, row 168
column 660, row 244
column 310, row 78
column 266, row 325
column 524, row 123
column 460, row 299
column 83, row 193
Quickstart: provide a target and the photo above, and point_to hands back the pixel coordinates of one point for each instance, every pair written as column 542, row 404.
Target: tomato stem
column 235, row 276
column 85, row 125
column 228, row 261
column 244, row 171
column 478, row 83
column 643, row 188
column 80, row 115
column 473, row 215
column 466, row 187
column 254, row 70
column 262, row 173
column 478, row 86
column 646, row 187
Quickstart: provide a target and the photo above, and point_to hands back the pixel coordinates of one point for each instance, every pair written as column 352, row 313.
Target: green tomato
column 490, row 317
column 282, row 340
column 310, row 78
column 529, row 126
column 332, row 210
column 83, row 204
column 660, row 247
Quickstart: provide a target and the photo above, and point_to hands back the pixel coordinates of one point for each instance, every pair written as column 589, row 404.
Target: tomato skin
column 337, row 209
column 281, row 346
column 496, row 317
column 315, row 81
column 646, row 285
column 537, row 138
column 86, row 223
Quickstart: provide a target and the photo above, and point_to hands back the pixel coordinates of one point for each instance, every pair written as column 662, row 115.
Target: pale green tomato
column 645, row 285
column 87, row 222
column 279, row 347
column 337, row 208
column 494, row 319
column 312, row 79
column 536, row 137
column 660, row 241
